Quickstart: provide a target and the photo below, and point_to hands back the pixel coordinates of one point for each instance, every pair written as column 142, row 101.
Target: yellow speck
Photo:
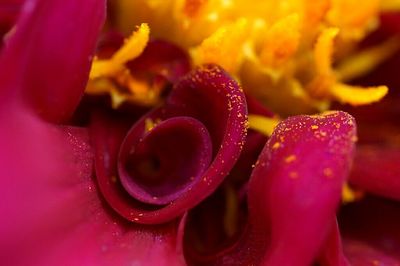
column 276, row 145
column 314, row 127
column 328, row 172
column 376, row 262
column 290, row 158
column 294, row 175
column 150, row 124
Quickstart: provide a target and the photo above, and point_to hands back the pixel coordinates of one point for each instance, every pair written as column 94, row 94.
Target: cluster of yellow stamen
column 297, row 52
column 294, row 55
column 112, row 76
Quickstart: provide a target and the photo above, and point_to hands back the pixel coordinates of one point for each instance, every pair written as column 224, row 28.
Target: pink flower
column 131, row 188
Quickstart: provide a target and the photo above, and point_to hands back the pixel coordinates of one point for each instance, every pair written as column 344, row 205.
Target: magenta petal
column 9, row 10
column 332, row 251
column 293, row 194
column 51, row 49
column 166, row 162
column 43, row 170
column 207, row 94
column 296, row 187
column 361, row 254
column 376, row 170
column 371, row 232
column 51, row 211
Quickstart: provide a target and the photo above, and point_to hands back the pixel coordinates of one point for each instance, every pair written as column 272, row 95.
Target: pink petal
column 160, row 169
column 9, row 10
column 207, row 94
column 376, row 170
column 332, row 251
column 51, row 50
column 371, row 232
column 293, row 195
column 51, row 210
column 296, row 187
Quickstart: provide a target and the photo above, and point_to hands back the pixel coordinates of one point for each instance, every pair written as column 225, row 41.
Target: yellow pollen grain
column 314, row 127
column 290, row 158
column 376, row 262
column 328, row 172
column 276, row 145
column 293, row 175
column 149, row 124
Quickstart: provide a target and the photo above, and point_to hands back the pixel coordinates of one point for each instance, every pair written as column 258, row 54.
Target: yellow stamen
column 224, row 47
column 361, row 63
column 262, row 124
column 133, row 46
column 353, row 17
column 281, row 41
column 390, row 5
column 323, row 51
column 231, row 211
column 355, row 95
column 113, row 77
column 131, row 49
column 350, row 195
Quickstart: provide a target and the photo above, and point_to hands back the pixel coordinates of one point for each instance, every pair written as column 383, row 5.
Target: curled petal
column 166, row 161
column 299, row 179
column 293, row 194
column 54, row 63
column 207, row 95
